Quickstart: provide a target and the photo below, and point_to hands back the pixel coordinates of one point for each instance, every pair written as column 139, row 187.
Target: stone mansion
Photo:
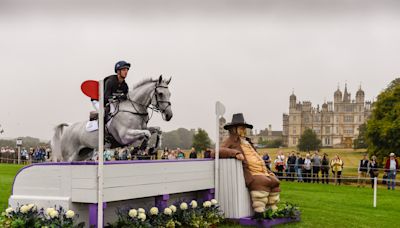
column 336, row 123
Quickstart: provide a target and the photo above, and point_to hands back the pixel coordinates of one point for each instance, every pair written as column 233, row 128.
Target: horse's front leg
column 154, row 130
column 134, row 135
column 158, row 132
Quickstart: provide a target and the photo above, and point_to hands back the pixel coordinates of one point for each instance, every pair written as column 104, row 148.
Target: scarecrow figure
column 261, row 182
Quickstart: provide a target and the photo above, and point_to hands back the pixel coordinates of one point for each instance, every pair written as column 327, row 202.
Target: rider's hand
column 240, row 157
column 122, row 97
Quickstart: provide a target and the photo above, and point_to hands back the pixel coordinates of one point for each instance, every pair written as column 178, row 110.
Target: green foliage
column 181, row 138
column 309, row 141
column 201, row 141
column 361, row 142
column 286, row 210
column 383, row 127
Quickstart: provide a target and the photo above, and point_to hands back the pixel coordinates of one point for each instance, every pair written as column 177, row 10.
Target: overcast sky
column 247, row 54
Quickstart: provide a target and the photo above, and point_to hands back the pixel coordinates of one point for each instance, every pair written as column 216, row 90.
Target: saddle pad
column 92, row 126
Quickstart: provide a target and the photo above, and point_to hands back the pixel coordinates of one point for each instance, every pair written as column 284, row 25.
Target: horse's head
column 161, row 98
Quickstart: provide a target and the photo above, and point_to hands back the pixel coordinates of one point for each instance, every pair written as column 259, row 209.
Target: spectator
column 298, row 167
column 172, row 155
column 267, row 160
column 307, row 169
column 337, row 167
column 291, row 162
column 180, row 155
column 193, row 154
column 373, row 169
column 325, row 169
column 165, row 153
column 316, row 166
column 362, row 171
column 280, row 164
column 391, row 166
column 207, row 153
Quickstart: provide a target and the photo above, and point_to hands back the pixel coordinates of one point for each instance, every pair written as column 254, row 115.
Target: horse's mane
column 143, row 82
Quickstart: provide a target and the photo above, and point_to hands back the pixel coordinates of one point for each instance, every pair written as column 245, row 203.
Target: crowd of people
column 38, row 154
column 179, row 154
column 309, row 168
column 315, row 168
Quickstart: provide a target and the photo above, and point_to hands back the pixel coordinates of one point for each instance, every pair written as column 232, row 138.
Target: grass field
column 341, row 206
column 7, row 173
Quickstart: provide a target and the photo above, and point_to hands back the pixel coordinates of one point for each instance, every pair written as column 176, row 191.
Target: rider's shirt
column 112, row 85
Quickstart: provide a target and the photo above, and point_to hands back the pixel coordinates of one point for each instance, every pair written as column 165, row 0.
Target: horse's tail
column 56, row 142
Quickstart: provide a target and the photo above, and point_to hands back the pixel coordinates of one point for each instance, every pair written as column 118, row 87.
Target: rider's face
column 241, row 130
column 123, row 73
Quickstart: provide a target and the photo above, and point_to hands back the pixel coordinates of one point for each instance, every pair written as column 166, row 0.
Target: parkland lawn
column 321, row 205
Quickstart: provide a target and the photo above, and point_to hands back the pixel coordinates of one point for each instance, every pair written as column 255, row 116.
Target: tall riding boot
column 260, row 200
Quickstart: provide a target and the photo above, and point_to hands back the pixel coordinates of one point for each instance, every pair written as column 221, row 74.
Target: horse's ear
column 169, row 80
column 160, row 79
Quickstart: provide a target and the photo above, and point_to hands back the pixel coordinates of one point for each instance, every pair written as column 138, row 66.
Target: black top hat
column 237, row 120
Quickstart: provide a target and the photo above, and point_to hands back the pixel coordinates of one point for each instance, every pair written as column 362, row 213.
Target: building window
column 317, row 130
column 349, row 119
column 327, row 130
column 337, row 130
column 306, row 119
column 349, row 108
column 294, row 130
column 294, row 118
column 328, row 119
column 327, row 141
column 359, row 119
column 294, row 140
column 348, row 131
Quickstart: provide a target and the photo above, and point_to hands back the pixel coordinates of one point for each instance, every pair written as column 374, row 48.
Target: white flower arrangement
column 154, row 211
column 173, row 208
column 70, row 214
column 193, row 204
column 207, row 204
column 184, row 206
column 133, row 213
column 214, row 202
column 54, row 214
column 32, row 207
column 142, row 216
column 49, row 210
column 24, row 209
column 141, row 210
column 168, row 211
column 9, row 211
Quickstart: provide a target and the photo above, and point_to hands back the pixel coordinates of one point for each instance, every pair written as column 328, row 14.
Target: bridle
column 154, row 108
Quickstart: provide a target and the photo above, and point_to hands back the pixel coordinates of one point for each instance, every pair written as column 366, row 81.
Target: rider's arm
column 108, row 88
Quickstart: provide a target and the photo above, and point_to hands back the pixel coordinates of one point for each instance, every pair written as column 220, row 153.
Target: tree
column 180, row 137
column 309, row 141
column 201, row 141
column 383, row 127
column 360, row 142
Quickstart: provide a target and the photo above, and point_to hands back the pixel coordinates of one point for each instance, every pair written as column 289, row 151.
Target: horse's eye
column 160, row 94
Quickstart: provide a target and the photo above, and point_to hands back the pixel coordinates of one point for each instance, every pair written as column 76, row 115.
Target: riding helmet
column 121, row 65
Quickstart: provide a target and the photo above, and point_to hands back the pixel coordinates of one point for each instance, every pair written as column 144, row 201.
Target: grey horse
column 128, row 125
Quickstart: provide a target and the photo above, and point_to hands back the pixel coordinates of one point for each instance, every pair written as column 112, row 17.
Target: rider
column 115, row 84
